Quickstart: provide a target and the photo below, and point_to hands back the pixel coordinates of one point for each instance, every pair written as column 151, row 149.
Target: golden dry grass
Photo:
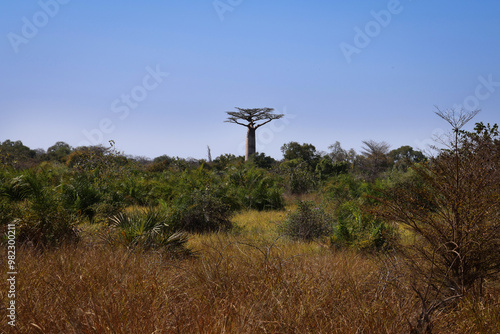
column 249, row 282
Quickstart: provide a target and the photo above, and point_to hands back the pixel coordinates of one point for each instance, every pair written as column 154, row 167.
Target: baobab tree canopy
column 252, row 116
column 249, row 118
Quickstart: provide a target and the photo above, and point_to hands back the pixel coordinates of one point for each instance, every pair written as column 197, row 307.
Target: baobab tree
column 251, row 117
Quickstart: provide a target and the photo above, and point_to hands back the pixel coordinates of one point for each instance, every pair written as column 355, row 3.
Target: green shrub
column 297, row 177
column 200, row 211
column 256, row 188
column 146, row 230
column 260, row 160
column 136, row 191
column 358, row 228
column 41, row 219
column 226, row 160
column 51, row 227
column 307, row 223
column 6, row 216
column 80, row 194
column 327, row 168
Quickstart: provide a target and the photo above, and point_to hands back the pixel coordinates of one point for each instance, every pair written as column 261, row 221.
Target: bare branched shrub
column 452, row 210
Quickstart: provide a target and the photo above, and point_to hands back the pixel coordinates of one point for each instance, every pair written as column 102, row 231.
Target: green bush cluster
column 50, row 199
column 356, row 224
column 200, row 211
column 93, row 185
column 32, row 201
column 256, row 188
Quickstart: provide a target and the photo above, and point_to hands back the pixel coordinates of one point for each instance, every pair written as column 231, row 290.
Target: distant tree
column 18, row 149
column 374, row 159
column 140, row 159
column 160, row 163
column 16, row 154
column 326, row 168
column 225, row 160
column 263, row 161
column 249, row 119
column 303, row 152
column 405, row 156
column 338, row 154
column 375, row 149
column 88, row 157
column 59, row 151
column 40, row 151
column 162, row 158
column 298, row 176
column 209, row 154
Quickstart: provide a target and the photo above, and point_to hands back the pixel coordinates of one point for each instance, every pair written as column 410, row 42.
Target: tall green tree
column 304, row 152
column 59, row 151
column 405, row 156
column 16, row 154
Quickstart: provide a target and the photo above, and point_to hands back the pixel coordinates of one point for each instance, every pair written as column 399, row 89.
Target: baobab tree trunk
column 250, row 147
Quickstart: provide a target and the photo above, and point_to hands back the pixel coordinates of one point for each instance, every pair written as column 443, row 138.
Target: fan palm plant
column 146, row 229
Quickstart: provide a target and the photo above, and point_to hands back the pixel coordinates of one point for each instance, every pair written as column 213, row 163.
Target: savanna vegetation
column 384, row 241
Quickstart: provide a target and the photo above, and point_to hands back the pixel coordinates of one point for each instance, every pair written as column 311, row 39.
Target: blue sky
column 157, row 76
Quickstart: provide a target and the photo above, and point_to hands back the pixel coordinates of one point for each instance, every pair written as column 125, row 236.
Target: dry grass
column 250, row 282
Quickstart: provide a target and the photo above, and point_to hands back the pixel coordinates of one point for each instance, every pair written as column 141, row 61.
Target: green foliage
column 81, row 194
column 158, row 166
column 304, row 152
column 96, row 159
column 307, row 223
column 163, row 158
column 327, row 168
column 97, row 183
column 146, row 229
column 37, row 211
column 200, row 211
column 357, row 228
column 256, row 189
column 405, row 157
column 58, row 152
column 237, row 187
column 226, row 160
column 5, row 216
column 166, row 163
column 297, row 177
column 343, row 188
column 261, row 160
column 16, row 154
column 15, row 189
column 338, row 154
column 197, row 200
column 50, row 227
column 136, row 191
column 356, row 225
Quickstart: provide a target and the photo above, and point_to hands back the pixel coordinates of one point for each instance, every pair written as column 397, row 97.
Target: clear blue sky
column 70, row 67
